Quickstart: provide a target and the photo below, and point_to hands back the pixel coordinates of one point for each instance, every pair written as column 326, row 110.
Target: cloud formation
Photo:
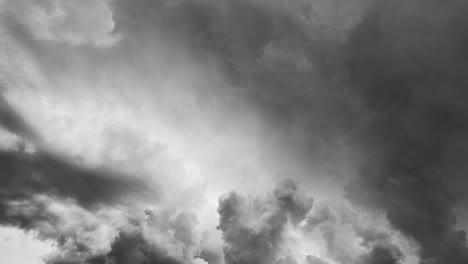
column 122, row 123
column 411, row 84
column 92, row 214
column 252, row 229
column 70, row 22
column 267, row 230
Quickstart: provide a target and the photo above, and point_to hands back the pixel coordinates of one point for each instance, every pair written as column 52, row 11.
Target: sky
column 233, row 132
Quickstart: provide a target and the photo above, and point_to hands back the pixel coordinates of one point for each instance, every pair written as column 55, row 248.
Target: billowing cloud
column 252, row 229
column 161, row 131
column 269, row 230
column 133, row 248
column 91, row 213
column 41, row 172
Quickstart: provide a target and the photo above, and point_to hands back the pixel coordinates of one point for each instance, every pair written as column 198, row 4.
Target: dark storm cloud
column 395, row 87
column 278, row 56
column 383, row 255
column 292, row 200
column 407, row 61
column 337, row 225
column 244, row 245
column 28, row 173
column 13, row 122
column 25, row 175
column 131, row 247
column 252, row 229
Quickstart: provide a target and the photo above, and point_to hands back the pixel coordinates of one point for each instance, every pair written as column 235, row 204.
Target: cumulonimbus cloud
column 192, row 98
column 258, row 230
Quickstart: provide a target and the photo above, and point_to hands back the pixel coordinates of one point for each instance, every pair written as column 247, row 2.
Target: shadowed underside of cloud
column 26, row 175
column 128, row 246
column 13, row 122
column 403, row 65
column 131, row 247
column 382, row 255
column 279, row 56
column 395, row 88
column 407, row 61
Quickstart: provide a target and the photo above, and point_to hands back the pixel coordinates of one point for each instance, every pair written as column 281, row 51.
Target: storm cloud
column 252, row 229
column 258, row 230
column 235, row 131
column 406, row 62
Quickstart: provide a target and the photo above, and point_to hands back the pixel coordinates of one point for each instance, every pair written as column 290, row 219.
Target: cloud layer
column 236, row 132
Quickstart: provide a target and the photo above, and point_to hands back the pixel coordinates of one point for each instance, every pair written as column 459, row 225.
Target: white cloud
column 20, row 247
column 66, row 21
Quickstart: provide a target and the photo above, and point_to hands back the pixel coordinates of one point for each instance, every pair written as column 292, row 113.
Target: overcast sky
column 233, row 132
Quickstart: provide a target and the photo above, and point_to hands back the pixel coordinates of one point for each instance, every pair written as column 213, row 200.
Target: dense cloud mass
column 258, row 230
column 252, row 230
column 234, row 131
column 408, row 67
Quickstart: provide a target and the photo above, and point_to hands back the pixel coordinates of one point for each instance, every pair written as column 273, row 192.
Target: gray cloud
column 133, row 248
column 314, row 260
column 393, row 88
column 378, row 85
column 261, row 245
column 46, row 173
column 255, row 229
column 406, row 61
column 383, row 255
column 13, row 122
column 350, row 238
column 252, row 229
column 128, row 247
